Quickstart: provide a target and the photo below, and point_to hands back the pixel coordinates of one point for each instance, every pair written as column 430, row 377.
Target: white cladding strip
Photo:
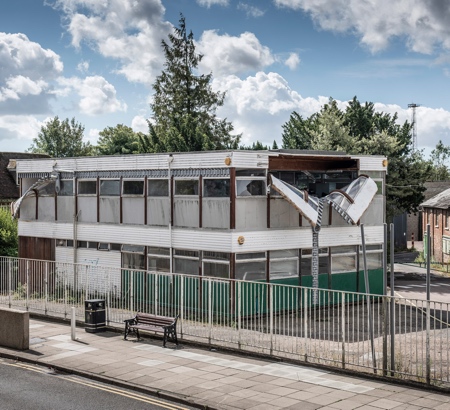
column 370, row 163
column 200, row 239
column 215, row 159
column 302, row 238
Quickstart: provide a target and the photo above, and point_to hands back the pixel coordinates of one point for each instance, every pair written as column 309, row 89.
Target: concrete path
column 212, row 379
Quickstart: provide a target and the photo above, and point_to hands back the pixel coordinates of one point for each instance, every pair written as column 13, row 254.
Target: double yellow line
column 106, row 388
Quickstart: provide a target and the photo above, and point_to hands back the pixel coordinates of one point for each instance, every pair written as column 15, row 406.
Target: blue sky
column 96, row 60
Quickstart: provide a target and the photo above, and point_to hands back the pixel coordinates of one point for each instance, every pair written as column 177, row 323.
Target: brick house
column 436, row 212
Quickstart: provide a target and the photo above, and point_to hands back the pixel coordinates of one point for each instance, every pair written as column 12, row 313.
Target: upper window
column 216, row 188
column 250, row 187
column 87, row 187
column 133, row 187
column 158, row 187
column 186, row 187
column 66, row 187
column 110, row 187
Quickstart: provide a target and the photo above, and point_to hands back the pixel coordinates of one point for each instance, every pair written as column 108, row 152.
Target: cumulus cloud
column 209, row 3
column 14, row 127
column 139, row 124
column 26, row 73
column 97, row 96
column 423, row 24
column 250, row 11
column 127, row 30
column 83, row 66
column 225, row 54
column 292, row 61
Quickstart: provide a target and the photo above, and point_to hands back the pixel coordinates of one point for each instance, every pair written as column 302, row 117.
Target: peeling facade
column 203, row 213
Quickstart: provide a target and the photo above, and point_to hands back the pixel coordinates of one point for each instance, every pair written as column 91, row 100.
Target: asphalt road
column 30, row 387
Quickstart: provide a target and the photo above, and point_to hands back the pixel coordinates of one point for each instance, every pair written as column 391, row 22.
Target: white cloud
column 251, row 11
column 26, row 73
column 423, row 24
column 93, row 135
column 227, row 54
column 209, row 3
column 97, row 96
column 83, row 66
column 139, row 124
column 292, row 61
column 127, row 30
column 17, row 127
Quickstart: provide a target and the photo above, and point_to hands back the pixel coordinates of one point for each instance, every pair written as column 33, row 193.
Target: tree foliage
column 61, row 139
column 8, row 234
column 361, row 130
column 438, row 159
column 118, row 140
column 184, row 105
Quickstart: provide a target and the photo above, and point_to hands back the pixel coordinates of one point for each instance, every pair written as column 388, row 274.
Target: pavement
column 211, row 379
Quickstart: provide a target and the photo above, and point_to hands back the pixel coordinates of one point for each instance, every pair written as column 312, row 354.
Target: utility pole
column 413, row 106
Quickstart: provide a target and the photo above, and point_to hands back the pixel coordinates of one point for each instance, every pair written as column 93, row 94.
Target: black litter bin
column 95, row 315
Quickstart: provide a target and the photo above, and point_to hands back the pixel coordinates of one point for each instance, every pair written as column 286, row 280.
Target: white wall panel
column 370, row 163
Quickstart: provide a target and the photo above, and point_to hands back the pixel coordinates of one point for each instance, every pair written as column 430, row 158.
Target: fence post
column 343, row 328
column 108, row 289
column 392, row 310
column 271, row 317
column 10, row 282
column 209, row 309
column 156, row 293
column 131, row 290
column 305, row 321
column 181, row 277
column 428, row 284
column 27, row 287
column 239, row 314
column 46, row 287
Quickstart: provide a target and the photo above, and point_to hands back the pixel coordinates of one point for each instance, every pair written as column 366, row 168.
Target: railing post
column 181, row 277
column 392, row 310
column 271, row 317
column 239, row 312
column 131, row 290
column 209, row 309
column 343, row 327
column 10, row 282
column 427, row 347
column 46, row 287
column 305, row 321
column 156, row 294
column 108, row 296
column 27, row 287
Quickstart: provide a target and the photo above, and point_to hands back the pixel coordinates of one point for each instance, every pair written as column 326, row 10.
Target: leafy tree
column 118, row 140
column 274, row 145
column 184, row 105
column 61, row 139
column 438, row 158
column 361, row 130
column 8, row 234
column 256, row 146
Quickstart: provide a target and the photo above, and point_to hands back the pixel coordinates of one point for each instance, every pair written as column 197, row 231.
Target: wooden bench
column 152, row 323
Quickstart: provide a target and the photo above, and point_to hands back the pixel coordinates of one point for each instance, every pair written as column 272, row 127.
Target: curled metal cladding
column 350, row 202
column 38, row 185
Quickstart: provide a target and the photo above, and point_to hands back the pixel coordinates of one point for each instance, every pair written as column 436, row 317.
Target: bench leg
column 126, row 332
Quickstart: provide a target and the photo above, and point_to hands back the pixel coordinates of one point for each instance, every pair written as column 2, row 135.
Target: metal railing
column 274, row 319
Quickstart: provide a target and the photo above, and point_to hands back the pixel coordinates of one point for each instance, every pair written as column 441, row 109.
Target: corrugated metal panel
column 100, row 258
column 370, row 163
column 250, row 159
column 199, row 239
column 63, row 254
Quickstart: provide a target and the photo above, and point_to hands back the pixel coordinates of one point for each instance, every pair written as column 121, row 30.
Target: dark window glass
column 187, row 266
column 115, row 247
column 186, row 187
column 251, row 271
column 110, row 187
column 216, row 270
column 158, row 187
column 216, row 255
column 158, row 264
column 253, row 255
column 47, row 190
column 250, row 173
column 61, row 242
column 250, row 187
column 103, row 246
column 133, row 248
column 133, row 187
column 87, row 187
column 66, row 187
column 182, row 252
column 69, row 243
column 133, row 261
column 93, row 245
column 82, row 244
column 216, row 188
column 158, row 251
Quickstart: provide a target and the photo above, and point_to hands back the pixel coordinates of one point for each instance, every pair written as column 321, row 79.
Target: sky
column 96, row 61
